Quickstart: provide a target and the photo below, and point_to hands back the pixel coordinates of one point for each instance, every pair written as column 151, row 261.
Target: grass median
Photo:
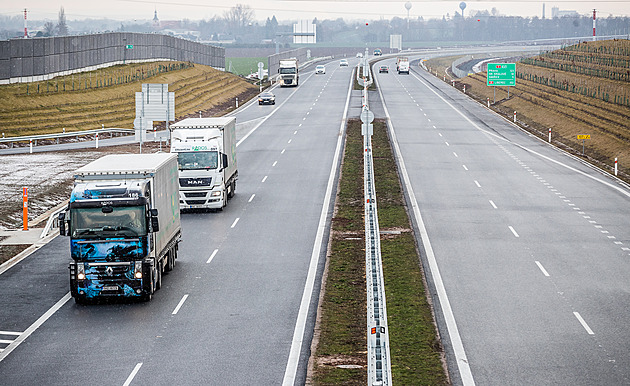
column 340, row 356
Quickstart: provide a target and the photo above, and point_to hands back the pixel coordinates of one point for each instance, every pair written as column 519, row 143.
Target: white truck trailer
column 206, row 155
column 124, row 226
column 289, row 74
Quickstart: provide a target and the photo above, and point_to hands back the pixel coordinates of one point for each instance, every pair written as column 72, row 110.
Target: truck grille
column 193, row 182
column 195, row 194
column 100, row 273
column 195, row 202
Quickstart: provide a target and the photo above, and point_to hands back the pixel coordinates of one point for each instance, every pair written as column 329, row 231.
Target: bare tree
column 62, row 26
column 49, row 28
column 239, row 16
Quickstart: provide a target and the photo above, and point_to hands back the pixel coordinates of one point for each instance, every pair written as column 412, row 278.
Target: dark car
column 383, row 69
column 267, row 98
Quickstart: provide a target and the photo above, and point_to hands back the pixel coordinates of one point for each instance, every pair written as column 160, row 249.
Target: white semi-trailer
column 124, row 226
column 288, row 71
column 206, row 155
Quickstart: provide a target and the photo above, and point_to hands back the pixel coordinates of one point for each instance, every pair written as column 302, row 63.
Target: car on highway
column 359, row 55
column 343, row 63
column 383, row 68
column 267, row 98
column 320, row 69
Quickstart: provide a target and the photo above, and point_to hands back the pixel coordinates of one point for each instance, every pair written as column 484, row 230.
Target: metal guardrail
column 53, row 222
column 379, row 363
column 33, row 138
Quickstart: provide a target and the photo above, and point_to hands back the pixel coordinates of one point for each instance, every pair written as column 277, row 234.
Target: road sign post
column 583, row 137
column 501, row 74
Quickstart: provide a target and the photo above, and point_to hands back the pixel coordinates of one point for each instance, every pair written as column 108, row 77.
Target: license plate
column 110, row 288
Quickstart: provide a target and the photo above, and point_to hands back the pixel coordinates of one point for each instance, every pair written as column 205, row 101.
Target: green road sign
column 501, row 74
column 129, row 46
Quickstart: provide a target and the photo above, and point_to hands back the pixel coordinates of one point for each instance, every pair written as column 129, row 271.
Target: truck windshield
column 198, row 160
column 287, row 70
column 126, row 221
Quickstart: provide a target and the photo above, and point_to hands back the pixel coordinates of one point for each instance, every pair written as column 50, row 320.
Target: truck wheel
column 81, row 301
column 169, row 261
column 158, row 276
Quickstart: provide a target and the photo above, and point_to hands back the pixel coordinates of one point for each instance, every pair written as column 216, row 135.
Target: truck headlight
column 80, row 271
column 137, row 270
column 216, row 193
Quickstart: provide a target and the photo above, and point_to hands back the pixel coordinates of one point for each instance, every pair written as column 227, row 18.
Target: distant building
column 557, row 12
column 156, row 21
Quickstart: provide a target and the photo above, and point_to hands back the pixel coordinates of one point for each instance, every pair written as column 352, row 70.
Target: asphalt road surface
column 526, row 251
column 239, row 307
column 526, row 248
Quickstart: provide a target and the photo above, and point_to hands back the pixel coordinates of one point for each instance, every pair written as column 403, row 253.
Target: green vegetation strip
column 416, row 353
column 244, row 66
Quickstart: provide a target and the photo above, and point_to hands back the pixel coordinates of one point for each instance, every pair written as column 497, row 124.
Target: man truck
column 206, row 157
column 124, row 226
column 289, row 72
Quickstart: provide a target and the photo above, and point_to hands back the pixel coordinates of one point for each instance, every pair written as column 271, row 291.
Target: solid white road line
column 449, row 318
column 583, row 323
column 300, row 325
column 10, row 333
column 180, row 304
column 214, row 253
column 34, row 326
column 133, row 374
column 544, row 271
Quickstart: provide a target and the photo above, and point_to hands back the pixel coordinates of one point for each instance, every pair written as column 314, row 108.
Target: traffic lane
column 31, row 287
column 429, row 184
column 253, row 289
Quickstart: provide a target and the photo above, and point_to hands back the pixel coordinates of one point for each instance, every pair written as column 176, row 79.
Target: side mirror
column 62, row 223
column 224, row 159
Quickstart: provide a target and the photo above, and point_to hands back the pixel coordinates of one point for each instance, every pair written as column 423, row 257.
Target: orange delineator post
column 25, row 208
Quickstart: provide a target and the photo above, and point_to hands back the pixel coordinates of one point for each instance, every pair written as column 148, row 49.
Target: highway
column 239, row 307
column 526, row 251
column 526, row 248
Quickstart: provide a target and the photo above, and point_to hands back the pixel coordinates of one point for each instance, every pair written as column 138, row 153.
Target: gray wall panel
column 41, row 56
column 38, row 66
column 5, row 50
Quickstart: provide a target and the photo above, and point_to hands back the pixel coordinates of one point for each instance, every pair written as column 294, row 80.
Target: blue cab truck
column 124, row 226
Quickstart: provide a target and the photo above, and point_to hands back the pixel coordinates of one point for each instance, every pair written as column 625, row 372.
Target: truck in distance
column 206, row 157
column 289, row 72
column 124, row 226
column 402, row 65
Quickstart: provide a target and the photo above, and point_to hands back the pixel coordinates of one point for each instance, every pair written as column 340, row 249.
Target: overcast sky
column 295, row 9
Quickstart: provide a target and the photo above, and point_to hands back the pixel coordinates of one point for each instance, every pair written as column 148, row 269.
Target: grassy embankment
column 582, row 89
column 107, row 97
column 244, row 66
column 341, row 334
